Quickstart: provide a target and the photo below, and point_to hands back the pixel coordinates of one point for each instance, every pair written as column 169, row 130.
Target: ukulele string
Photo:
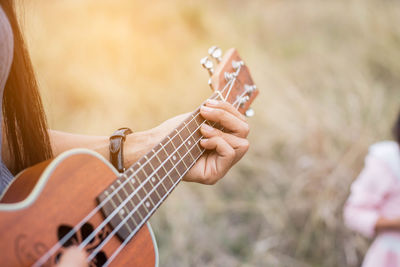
column 129, row 198
column 116, row 229
column 236, row 104
column 235, row 74
column 76, row 228
column 122, row 205
column 116, row 252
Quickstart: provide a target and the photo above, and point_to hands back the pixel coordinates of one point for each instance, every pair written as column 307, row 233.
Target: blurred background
column 329, row 76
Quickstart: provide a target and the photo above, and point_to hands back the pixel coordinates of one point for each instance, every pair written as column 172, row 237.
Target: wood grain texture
column 67, row 197
column 24, row 183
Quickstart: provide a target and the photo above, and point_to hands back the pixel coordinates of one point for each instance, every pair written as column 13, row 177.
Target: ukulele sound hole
column 79, row 237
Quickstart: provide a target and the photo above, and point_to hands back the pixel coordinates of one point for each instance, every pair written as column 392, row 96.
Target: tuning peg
column 250, row 88
column 243, row 100
column 249, row 112
column 237, row 64
column 216, row 53
column 207, row 64
column 230, row 76
column 210, row 84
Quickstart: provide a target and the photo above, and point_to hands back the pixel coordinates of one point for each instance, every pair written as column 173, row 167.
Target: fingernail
column 206, row 109
column 207, row 127
column 203, row 141
column 212, row 102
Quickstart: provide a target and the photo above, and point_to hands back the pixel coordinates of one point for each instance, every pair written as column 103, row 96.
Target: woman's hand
column 139, row 143
column 225, row 147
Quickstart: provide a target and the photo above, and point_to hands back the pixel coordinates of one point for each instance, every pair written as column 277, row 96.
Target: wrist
column 138, row 144
column 117, row 144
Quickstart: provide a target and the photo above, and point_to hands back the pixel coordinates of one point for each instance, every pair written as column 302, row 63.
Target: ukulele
column 80, row 199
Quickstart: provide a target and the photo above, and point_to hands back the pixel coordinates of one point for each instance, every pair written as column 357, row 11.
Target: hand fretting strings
column 45, row 257
column 117, row 251
column 101, row 245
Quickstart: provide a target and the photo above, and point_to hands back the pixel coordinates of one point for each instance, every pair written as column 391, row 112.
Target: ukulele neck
column 142, row 188
column 135, row 195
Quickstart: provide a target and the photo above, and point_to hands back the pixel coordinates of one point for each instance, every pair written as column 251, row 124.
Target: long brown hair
column 24, row 119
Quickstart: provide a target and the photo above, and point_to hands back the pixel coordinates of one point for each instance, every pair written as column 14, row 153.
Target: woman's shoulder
column 387, row 152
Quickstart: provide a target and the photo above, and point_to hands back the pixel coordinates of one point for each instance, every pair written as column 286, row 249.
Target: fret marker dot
column 173, row 157
column 133, row 181
column 189, row 143
column 153, row 179
column 121, row 212
column 147, row 204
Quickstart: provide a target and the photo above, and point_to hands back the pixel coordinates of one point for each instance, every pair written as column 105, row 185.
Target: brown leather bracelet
column 117, row 140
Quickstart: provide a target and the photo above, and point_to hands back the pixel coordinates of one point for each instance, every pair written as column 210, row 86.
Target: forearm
column 62, row 141
column 136, row 144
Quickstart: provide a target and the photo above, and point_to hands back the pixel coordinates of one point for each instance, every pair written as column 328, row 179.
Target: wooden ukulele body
column 47, row 200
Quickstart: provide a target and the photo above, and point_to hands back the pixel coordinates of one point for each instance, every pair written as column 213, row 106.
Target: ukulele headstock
column 231, row 79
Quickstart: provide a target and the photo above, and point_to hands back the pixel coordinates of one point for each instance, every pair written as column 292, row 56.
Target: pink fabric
column 374, row 194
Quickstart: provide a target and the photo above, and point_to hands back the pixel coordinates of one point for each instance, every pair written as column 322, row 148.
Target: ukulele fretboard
column 134, row 196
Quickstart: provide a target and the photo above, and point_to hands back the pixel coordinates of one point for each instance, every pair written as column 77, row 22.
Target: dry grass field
column 329, row 75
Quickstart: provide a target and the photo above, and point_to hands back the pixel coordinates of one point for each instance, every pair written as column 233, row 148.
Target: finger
column 226, row 119
column 225, row 155
column 225, row 106
column 73, row 257
column 240, row 145
column 218, row 144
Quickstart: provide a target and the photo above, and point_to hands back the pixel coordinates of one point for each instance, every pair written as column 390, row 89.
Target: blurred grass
column 329, row 74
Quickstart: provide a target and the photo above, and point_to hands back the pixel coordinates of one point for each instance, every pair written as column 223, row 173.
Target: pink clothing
column 376, row 193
